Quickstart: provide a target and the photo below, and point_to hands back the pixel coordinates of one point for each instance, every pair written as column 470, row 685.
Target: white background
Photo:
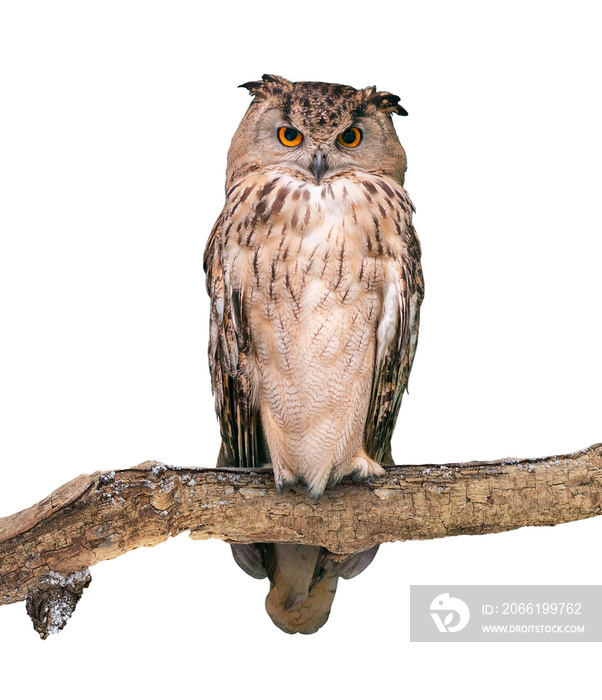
column 114, row 126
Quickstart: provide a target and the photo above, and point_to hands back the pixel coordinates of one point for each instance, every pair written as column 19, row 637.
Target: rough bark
column 45, row 550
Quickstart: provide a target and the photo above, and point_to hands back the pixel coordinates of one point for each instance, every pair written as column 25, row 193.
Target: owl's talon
column 283, row 477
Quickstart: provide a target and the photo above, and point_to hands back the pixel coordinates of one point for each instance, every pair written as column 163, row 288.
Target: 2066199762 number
column 541, row 608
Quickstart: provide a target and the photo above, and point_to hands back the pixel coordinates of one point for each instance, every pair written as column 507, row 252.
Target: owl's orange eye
column 351, row 137
column 289, row 136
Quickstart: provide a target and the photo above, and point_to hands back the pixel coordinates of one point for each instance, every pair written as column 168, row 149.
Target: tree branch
column 45, row 550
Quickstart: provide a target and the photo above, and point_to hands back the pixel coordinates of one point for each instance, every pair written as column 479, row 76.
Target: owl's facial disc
column 317, row 131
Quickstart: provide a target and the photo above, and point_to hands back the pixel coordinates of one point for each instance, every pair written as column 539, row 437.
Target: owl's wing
column 229, row 345
column 394, row 356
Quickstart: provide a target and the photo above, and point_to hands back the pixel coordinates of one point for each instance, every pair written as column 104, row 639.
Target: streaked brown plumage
column 313, row 269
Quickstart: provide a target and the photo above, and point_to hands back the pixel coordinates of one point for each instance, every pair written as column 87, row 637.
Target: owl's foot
column 283, row 476
column 361, row 467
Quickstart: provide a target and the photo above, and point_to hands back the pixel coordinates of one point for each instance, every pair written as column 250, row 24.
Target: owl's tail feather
column 303, row 580
column 296, row 601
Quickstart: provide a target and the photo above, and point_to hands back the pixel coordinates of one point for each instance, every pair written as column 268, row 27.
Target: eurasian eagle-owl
column 313, row 269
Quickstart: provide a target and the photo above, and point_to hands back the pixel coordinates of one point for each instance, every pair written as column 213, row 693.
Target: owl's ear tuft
column 269, row 84
column 388, row 103
column 253, row 87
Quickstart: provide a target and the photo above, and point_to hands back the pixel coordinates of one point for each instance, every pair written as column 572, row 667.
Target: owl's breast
column 313, row 265
column 281, row 232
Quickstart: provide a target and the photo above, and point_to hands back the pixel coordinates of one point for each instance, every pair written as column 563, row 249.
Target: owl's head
column 319, row 129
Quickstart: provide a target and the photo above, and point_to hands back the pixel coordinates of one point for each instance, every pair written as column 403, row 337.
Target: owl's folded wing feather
column 394, row 356
column 229, row 345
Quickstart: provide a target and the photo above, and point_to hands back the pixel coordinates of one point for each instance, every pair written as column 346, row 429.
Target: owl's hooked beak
column 318, row 165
